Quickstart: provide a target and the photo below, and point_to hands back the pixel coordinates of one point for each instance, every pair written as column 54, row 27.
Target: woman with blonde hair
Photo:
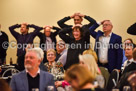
column 56, row 68
column 92, row 52
column 89, row 61
column 80, row 78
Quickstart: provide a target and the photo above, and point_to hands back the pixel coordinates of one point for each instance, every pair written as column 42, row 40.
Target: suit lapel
column 41, row 85
column 24, row 80
column 112, row 39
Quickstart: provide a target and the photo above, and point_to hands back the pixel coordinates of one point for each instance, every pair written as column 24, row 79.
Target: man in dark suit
column 132, row 29
column 48, row 39
column 3, row 46
column 78, row 18
column 107, row 46
column 32, row 78
column 132, row 65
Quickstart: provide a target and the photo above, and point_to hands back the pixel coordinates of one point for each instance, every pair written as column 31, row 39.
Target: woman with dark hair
column 77, row 45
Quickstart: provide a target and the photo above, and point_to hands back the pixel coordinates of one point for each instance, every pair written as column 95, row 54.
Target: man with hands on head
column 48, row 39
column 107, row 46
column 23, row 39
column 78, row 18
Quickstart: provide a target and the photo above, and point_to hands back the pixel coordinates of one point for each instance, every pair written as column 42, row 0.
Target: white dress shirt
column 103, row 50
column 126, row 63
column 49, row 44
column 63, row 57
column 38, row 72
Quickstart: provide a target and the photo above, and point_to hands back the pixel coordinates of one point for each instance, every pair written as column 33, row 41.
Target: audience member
column 23, row 39
column 61, row 52
column 80, row 78
column 129, row 55
column 89, row 61
column 132, row 65
column 127, row 42
column 108, row 46
column 76, row 45
column 56, row 68
column 78, row 18
column 3, row 46
column 48, row 39
column 32, row 78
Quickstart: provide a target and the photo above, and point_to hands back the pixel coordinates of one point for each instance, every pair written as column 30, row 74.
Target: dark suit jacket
column 115, row 55
column 19, row 81
column 52, row 36
column 62, row 24
column 130, row 67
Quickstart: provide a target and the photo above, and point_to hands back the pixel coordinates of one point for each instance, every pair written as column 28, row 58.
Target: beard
column 28, row 67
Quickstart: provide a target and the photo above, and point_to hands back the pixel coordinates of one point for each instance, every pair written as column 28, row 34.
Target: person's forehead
column 127, row 41
column 30, row 53
column 77, row 17
column 51, row 52
column 76, row 29
column 107, row 22
column 47, row 29
column 60, row 43
column 23, row 25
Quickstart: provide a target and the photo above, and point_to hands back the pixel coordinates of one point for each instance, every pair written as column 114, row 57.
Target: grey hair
column 38, row 51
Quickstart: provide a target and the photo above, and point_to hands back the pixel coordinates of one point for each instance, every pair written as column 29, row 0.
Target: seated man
column 128, row 54
column 32, row 77
column 132, row 65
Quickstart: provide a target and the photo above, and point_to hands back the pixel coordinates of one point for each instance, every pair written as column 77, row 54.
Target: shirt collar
column 131, row 60
column 38, row 72
column 108, row 35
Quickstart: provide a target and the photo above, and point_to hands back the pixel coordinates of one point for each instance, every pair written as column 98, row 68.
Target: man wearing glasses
column 107, row 46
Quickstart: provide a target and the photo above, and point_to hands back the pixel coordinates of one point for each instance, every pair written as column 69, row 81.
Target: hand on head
column 24, row 23
column 104, row 21
column 77, row 14
column 47, row 26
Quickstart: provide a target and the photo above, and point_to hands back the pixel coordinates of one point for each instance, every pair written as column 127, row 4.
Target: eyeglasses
column 105, row 25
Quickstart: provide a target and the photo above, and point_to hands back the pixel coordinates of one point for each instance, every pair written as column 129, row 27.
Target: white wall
column 47, row 12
